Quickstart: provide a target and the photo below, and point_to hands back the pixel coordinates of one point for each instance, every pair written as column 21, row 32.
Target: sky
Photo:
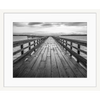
column 49, row 28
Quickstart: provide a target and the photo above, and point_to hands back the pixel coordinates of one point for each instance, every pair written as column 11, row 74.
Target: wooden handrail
column 81, row 42
column 64, row 42
column 16, row 43
column 36, row 43
column 77, row 48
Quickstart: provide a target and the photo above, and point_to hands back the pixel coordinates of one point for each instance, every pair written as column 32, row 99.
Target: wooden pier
column 50, row 57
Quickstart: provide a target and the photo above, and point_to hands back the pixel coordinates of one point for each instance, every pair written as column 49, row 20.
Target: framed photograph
column 38, row 52
column 50, row 49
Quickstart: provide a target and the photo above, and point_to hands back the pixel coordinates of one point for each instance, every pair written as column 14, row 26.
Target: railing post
column 78, row 51
column 62, row 41
column 29, row 45
column 70, row 47
column 34, row 44
column 38, row 41
column 22, row 52
column 66, row 44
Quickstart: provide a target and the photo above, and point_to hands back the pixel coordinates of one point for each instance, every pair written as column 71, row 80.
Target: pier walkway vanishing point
column 50, row 57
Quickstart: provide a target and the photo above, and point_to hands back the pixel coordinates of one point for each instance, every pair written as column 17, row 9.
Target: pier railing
column 75, row 48
column 20, row 47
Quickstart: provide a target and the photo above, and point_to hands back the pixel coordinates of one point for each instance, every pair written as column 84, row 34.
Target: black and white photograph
column 49, row 49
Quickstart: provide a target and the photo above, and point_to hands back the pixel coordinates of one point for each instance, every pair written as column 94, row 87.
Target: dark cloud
column 18, row 24
column 50, row 24
column 47, row 24
column 65, row 23
column 34, row 23
column 75, row 23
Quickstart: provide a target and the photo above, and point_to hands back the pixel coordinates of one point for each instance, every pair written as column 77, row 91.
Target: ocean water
column 17, row 38
column 84, row 38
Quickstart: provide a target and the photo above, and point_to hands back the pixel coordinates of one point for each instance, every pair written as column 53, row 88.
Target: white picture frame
column 9, row 81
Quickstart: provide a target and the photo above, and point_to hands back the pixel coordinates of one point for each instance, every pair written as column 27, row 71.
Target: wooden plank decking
column 50, row 60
